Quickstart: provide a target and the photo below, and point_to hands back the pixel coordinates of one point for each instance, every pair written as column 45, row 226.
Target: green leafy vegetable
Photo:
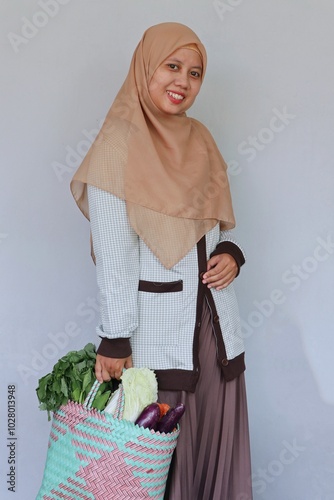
column 102, row 396
column 71, row 379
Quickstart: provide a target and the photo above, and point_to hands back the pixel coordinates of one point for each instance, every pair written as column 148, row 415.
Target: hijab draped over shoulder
column 167, row 168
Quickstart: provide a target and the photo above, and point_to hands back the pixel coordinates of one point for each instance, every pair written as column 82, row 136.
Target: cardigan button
column 225, row 362
column 216, row 319
column 201, row 275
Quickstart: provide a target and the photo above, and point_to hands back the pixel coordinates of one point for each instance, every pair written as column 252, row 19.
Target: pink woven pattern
column 99, row 457
column 123, row 483
column 53, row 436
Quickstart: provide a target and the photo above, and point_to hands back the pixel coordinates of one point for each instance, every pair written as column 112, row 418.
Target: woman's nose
column 182, row 80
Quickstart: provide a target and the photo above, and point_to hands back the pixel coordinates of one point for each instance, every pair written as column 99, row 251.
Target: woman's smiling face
column 177, row 81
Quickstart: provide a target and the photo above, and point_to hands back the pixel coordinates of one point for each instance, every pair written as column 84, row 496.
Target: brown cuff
column 115, row 348
column 232, row 249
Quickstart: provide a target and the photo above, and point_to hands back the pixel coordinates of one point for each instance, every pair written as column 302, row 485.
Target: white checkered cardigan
column 160, row 325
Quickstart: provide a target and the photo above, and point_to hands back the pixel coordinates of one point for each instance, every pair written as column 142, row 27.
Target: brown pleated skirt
column 212, row 457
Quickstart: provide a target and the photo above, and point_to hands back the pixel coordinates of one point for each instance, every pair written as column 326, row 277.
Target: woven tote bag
column 93, row 455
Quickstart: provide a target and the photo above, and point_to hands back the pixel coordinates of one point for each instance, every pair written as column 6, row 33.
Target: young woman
column 155, row 189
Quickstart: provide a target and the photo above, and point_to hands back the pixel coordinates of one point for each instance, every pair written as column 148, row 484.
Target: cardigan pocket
column 160, row 287
column 160, row 306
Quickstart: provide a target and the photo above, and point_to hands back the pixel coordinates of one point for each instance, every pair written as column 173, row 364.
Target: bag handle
column 91, row 395
column 119, row 409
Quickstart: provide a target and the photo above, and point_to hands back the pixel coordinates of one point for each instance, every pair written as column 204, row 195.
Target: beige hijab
column 167, row 167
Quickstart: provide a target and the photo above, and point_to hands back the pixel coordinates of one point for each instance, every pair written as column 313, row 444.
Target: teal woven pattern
column 94, row 456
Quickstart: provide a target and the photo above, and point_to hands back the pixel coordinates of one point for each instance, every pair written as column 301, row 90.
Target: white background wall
column 268, row 100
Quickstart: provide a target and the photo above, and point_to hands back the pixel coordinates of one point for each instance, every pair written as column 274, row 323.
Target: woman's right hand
column 108, row 368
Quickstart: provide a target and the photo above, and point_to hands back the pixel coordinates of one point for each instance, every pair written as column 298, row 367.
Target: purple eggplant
column 169, row 421
column 149, row 416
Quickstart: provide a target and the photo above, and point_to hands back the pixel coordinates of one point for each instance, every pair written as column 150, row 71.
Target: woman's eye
column 196, row 74
column 172, row 66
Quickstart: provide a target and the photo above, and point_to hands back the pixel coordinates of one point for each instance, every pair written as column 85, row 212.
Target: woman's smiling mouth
column 175, row 97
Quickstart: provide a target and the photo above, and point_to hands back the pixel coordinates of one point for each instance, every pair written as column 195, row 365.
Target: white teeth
column 175, row 96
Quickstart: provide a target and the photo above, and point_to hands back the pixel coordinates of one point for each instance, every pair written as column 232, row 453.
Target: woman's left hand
column 221, row 271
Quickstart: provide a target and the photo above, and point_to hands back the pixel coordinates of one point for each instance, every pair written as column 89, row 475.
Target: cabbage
column 140, row 389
